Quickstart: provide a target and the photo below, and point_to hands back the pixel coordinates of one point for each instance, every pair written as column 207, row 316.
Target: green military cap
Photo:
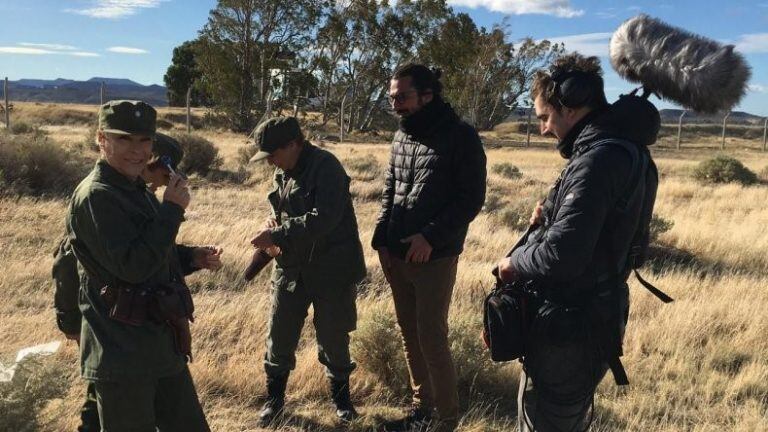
column 165, row 146
column 126, row 117
column 273, row 133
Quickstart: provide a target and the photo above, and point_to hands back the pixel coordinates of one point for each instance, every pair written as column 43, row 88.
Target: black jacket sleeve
column 469, row 166
column 185, row 259
column 590, row 191
column 387, row 198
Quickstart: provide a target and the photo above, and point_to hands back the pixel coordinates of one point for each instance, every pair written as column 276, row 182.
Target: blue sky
column 80, row 39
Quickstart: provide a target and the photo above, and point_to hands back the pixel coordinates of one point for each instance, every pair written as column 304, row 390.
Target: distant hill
column 85, row 92
column 736, row 117
column 673, row 115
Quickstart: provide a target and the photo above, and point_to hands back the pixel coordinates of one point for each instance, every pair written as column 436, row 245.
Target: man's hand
column 386, row 262
column 207, row 257
column 263, row 240
column 507, row 271
column 537, row 214
column 177, row 191
column 420, row 249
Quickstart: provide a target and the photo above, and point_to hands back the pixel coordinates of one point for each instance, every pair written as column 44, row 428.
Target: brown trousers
column 422, row 295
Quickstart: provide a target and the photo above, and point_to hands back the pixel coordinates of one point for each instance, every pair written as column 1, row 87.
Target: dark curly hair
column 544, row 82
column 423, row 78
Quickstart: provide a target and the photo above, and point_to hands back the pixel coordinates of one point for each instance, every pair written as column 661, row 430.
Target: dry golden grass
column 699, row 364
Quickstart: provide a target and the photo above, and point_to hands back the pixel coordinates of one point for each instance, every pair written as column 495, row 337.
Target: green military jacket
column 121, row 233
column 318, row 233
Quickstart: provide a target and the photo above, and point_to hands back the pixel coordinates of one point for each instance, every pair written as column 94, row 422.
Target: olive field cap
column 274, row 132
column 126, row 117
column 168, row 147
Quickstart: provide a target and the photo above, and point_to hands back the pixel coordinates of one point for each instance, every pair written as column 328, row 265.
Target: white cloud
column 55, row 47
column 114, row 9
column 24, row 50
column 607, row 13
column 634, row 8
column 758, row 88
column 33, row 50
column 753, row 43
column 559, row 8
column 127, row 50
column 589, row 44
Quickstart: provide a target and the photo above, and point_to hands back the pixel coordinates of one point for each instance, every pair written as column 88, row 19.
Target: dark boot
column 345, row 411
column 418, row 419
column 273, row 408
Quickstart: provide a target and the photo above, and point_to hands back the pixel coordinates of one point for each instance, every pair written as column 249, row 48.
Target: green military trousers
column 167, row 404
column 335, row 315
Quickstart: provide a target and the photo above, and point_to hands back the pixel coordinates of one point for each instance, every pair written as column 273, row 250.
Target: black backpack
column 66, row 284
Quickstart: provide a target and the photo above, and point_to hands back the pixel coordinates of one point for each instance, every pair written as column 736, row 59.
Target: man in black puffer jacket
column 577, row 254
column 434, row 188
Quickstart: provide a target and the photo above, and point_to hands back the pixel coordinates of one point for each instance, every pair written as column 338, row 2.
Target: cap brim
column 122, row 132
column 259, row 156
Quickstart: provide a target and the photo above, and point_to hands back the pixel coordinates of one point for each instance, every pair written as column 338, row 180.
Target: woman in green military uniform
column 319, row 261
column 134, row 339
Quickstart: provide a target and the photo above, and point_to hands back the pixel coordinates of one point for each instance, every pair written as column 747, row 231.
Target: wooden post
column 341, row 116
column 725, row 122
column 7, row 108
column 528, row 128
column 102, row 92
column 680, row 128
column 189, row 110
column 765, row 132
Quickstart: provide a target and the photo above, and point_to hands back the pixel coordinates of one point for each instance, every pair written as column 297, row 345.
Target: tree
column 484, row 75
column 183, row 73
column 242, row 41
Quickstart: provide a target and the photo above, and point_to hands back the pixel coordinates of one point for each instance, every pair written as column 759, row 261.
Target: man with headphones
column 575, row 252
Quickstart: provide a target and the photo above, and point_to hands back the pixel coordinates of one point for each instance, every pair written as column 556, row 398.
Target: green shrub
column 659, row 226
column 724, row 169
column 200, row 155
column 365, row 168
column 493, row 202
column 33, row 165
column 507, row 170
column 517, row 215
column 20, row 128
column 377, row 347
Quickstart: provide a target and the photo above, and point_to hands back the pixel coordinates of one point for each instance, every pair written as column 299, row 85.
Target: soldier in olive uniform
column 124, row 241
column 319, row 261
column 67, row 282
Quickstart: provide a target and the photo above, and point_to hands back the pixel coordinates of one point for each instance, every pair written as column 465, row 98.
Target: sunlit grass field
column 698, row 364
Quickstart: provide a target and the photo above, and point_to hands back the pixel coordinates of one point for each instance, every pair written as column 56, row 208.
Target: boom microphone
column 693, row 71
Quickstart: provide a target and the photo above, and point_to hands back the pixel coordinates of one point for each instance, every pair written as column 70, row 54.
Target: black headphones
column 574, row 89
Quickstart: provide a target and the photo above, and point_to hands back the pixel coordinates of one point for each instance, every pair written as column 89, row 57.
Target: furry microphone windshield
column 693, row 71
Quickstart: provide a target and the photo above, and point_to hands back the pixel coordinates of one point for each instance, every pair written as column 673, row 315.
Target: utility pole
column 7, row 108
column 528, row 128
column 725, row 122
column 189, row 110
column 680, row 128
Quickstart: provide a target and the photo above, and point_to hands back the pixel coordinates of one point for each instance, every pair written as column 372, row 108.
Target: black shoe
column 271, row 412
column 273, row 408
column 345, row 411
column 417, row 420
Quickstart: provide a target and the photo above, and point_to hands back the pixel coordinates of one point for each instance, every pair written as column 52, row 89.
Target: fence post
column 725, row 122
column 189, row 110
column 765, row 132
column 680, row 128
column 528, row 128
column 7, row 108
column 102, row 92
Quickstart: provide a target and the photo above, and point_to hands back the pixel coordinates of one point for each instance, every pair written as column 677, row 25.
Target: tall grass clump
column 724, row 169
column 507, row 170
column 34, row 165
column 200, row 155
